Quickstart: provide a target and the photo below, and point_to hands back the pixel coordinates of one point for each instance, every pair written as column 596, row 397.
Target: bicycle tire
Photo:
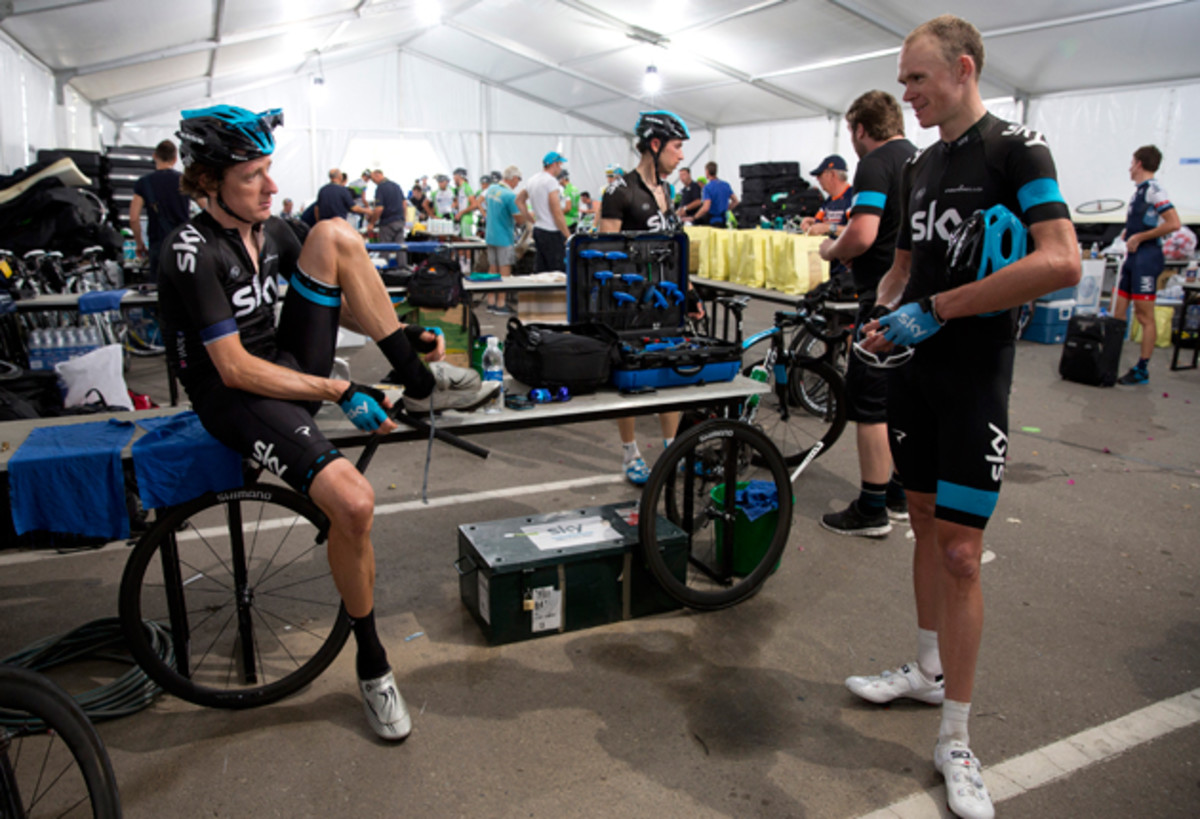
column 800, row 426
column 719, row 571
column 806, row 345
column 27, row 692
column 200, row 570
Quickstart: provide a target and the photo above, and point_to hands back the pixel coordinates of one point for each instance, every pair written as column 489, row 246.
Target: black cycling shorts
column 948, row 428
column 282, row 435
column 866, row 386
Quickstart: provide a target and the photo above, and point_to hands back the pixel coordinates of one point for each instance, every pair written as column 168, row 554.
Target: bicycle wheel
column 809, row 408
column 52, row 762
column 241, row 580
column 694, row 485
column 142, row 336
column 807, row 345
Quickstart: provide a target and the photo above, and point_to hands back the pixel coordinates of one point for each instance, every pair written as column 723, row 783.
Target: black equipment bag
column 766, row 169
column 437, row 282
column 1092, row 350
column 576, row 356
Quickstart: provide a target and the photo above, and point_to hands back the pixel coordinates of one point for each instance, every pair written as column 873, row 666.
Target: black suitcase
column 768, row 169
column 1092, row 350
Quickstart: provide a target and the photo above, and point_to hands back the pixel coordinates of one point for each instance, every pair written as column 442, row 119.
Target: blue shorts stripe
column 219, row 330
column 1039, row 192
column 869, row 199
column 977, row 502
column 302, row 287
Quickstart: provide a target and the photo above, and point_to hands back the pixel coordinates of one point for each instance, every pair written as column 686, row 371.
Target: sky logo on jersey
column 248, row 299
column 262, row 454
column 186, row 243
column 1030, row 136
column 927, row 222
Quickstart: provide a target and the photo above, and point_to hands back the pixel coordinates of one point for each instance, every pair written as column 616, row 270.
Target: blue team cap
column 552, row 157
column 831, row 162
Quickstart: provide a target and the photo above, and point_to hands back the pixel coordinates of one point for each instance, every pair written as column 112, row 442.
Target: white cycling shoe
column 966, row 795
column 386, row 711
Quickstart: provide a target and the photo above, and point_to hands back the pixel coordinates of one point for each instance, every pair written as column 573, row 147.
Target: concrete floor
column 1092, row 614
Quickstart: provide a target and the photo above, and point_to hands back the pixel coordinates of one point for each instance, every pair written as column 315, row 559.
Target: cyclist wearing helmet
column 255, row 385
column 948, row 406
column 638, row 200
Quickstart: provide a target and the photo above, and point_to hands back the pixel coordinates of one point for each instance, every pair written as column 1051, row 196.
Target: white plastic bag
column 99, row 370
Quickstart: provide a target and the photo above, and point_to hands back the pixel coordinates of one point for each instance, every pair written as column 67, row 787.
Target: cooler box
column 545, row 574
column 637, row 284
column 1048, row 325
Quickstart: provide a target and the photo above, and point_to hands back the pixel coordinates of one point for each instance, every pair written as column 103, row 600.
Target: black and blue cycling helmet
column 661, row 124
column 224, row 135
column 983, row 243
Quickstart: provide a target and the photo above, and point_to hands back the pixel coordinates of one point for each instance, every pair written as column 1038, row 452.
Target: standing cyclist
column 948, row 406
column 256, row 385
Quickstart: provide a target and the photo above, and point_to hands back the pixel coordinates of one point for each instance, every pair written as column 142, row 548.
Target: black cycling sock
column 371, row 661
column 872, row 497
column 895, row 489
column 415, row 376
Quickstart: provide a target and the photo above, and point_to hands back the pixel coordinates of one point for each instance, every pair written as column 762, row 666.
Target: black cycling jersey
column 208, row 289
column 994, row 162
column 627, row 198
column 877, row 192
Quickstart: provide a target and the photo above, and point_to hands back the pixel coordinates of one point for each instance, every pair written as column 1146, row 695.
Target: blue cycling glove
column 912, row 323
column 363, row 405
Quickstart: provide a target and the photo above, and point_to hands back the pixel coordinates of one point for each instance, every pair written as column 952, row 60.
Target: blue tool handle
column 591, row 254
column 602, row 275
column 624, row 298
column 659, row 300
column 616, row 255
column 632, row 278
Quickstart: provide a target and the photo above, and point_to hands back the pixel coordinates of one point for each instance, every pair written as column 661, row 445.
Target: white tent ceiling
column 723, row 62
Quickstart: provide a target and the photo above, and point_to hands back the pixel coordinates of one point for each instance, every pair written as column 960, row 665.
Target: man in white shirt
column 550, row 230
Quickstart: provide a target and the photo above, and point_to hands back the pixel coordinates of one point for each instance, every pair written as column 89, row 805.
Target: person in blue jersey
column 255, row 382
column 948, row 405
column 717, row 199
column 1150, row 217
column 867, row 243
column 503, row 217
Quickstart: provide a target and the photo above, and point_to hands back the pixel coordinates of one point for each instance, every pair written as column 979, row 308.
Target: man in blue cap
column 550, row 229
column 833, row 176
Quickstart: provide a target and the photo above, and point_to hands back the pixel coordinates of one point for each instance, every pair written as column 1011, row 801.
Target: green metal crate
column 545, row 574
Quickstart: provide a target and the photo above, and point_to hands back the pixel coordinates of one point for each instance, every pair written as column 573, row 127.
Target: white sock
column 954, row 721
column 631, row 452
column 667, row 442
column 929, row 661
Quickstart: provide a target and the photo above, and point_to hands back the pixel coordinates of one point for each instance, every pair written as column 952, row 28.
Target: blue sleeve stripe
column 977, row 502
column 1039, row 192
column 869, row 199
column 313, row 295
column 219, row 330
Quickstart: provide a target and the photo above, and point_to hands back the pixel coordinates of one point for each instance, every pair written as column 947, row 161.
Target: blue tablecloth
column 68, row 479
column 177, row 460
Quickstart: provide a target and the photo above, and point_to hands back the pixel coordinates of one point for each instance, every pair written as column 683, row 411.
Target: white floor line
column 17, row 558
column 1044, row 765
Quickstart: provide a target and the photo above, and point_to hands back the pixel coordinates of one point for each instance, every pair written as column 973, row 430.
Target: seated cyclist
column 256, row 385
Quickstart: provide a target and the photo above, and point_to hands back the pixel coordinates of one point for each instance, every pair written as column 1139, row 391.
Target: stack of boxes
column 774, row 190
column 125, row 165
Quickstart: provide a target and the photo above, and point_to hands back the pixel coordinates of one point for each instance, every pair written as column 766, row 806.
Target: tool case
column 545, row 574
column 636, row 284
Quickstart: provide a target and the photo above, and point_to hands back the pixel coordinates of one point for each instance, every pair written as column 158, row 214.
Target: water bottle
column 37, row 350
column 1095, row 249
column 758, row 373
column 129, row 247
column 493, row 370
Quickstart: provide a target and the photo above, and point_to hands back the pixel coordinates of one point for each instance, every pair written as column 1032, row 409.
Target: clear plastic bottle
column 493, row 370
column 1095, row 249
column 37, row 350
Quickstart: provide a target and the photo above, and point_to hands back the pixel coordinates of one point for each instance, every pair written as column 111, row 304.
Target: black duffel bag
column 1092, row 350
column 437, row 282
column 576, row 356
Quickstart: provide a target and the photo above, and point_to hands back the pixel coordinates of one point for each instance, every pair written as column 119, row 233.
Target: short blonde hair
column 956, row 37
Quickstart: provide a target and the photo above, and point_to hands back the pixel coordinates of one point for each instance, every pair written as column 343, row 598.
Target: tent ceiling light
column 652, row 80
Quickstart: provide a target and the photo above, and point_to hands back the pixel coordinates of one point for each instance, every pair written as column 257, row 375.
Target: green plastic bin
column 751, row 538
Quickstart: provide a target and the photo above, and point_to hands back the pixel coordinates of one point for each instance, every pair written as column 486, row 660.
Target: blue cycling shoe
column 636, row 472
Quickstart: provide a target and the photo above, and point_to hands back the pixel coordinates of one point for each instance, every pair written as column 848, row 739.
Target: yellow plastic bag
column 1163, row 319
